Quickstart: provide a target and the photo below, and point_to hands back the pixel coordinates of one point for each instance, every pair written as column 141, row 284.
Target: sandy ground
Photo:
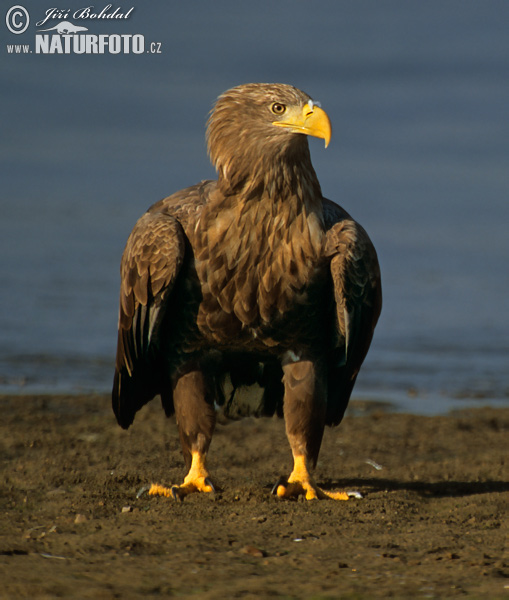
column 433, row 522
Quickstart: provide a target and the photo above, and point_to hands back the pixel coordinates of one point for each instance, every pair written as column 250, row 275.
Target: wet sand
column 432, row 523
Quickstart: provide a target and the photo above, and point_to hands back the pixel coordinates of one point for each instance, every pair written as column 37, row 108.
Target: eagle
column 251, row 286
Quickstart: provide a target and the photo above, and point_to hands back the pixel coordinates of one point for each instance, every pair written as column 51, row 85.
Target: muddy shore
column 432, row 523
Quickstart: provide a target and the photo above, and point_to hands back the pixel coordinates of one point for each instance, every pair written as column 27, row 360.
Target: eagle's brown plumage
column 251, row 280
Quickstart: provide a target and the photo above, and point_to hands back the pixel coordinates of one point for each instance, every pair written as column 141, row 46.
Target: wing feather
column 358, row 297
column 150, row 265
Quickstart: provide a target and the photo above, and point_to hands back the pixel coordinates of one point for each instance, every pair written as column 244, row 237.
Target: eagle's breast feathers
column 255, row 262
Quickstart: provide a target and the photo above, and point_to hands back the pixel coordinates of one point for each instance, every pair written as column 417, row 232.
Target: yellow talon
column 159, row 490
column 301, row 483
column 197, row 480
column 337, row 495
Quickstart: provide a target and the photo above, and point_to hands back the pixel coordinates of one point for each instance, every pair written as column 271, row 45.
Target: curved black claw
column 208, row 482
column 281, row 481
column 179, row 492
column 175, row 493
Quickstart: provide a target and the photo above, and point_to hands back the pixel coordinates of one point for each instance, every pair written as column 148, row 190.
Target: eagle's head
column 257, row 127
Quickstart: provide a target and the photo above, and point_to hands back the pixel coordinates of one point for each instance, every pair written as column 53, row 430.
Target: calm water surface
column 418, row 94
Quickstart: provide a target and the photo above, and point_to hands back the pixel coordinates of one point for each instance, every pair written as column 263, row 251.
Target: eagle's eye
column 278, row 108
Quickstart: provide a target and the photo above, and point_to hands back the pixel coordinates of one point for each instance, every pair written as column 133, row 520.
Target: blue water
column 418, row 94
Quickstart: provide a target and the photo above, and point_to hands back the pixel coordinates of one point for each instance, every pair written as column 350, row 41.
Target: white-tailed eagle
column 253, row 280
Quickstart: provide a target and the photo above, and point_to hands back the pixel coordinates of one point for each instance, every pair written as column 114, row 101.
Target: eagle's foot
column 200, row 484
column 197, row 480
column 300, row 483
column 308, row 489
column 179, row 492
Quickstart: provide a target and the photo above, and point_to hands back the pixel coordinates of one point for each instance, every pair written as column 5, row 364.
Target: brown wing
column 150, row 264
column 149, row 269
column 358, row 297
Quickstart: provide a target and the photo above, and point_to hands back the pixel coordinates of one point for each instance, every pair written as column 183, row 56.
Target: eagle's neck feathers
column 256, row 250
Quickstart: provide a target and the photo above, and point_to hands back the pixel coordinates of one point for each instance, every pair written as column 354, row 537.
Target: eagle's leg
column 196, row 418
column 304, row 409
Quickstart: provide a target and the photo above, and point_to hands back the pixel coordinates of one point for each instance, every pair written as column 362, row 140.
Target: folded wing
column 358, row 297
column 150, row 265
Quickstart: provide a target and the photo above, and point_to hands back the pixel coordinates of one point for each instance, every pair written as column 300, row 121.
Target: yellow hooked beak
column 312, row 120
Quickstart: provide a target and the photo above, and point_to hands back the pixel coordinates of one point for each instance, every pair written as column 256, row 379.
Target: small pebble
column 127, row 509
column 80, row 518
column 261, row 519
column 253, row 551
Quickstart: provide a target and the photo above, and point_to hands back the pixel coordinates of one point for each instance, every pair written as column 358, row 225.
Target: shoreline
column 432, row 521
column 411, row 403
